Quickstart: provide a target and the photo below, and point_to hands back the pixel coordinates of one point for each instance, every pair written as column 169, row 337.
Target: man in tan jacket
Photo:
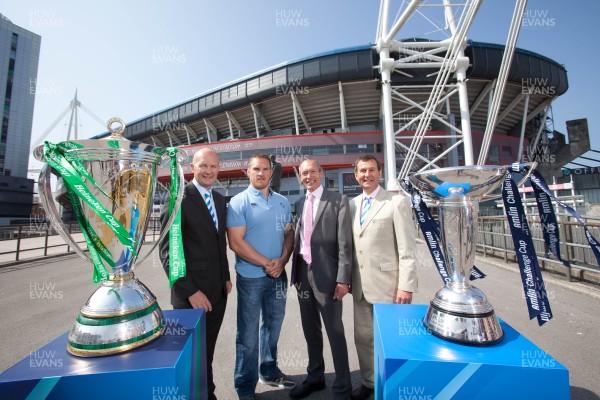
column 384, row 266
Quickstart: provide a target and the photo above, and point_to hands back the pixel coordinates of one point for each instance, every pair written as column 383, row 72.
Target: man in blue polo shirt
column 260, row 232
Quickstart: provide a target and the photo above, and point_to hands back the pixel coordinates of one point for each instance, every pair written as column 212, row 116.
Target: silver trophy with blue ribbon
column 459, row 312
column 109, row 185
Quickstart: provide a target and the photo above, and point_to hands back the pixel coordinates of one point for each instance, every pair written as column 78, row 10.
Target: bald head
column 203, row 152
column 205, row 166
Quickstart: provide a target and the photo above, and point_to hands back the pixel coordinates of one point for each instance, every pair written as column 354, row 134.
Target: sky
column 132, row 58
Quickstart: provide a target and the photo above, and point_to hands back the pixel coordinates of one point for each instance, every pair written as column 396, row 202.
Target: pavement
column 41, row 299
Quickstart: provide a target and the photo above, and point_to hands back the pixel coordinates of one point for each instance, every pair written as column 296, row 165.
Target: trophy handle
column 165, row 228
column 532, row 166
column 45, row 192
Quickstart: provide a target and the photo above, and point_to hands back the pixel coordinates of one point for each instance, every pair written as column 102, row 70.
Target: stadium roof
column 340, row 91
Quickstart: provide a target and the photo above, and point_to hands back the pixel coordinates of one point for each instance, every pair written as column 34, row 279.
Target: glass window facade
column 287, row 151
column 7, row 98
column 19, row 57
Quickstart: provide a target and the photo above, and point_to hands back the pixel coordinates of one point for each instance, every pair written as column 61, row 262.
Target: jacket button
column 362, row 267
column 360, row 252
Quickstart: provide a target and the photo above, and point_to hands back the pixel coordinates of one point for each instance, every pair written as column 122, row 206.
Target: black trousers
column 314, row 306
column 214, row 319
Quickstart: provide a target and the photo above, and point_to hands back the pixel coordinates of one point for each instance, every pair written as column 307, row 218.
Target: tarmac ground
column 41, row 299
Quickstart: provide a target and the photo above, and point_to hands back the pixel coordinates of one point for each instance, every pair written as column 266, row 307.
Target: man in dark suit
column 207, row 282
column 321, row 271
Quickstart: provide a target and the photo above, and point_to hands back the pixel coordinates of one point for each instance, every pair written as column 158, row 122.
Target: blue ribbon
column 549, row 223
column 531, row 276
column 536, row 297
column 432, row 235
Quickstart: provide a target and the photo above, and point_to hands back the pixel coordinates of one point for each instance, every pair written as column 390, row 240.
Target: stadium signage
column 582, row 171
column 232, row 146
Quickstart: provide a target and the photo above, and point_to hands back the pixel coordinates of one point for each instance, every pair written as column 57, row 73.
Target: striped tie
column 366, row 206
column 211, row 209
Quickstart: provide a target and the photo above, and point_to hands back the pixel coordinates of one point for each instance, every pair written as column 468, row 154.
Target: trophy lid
column 114, row 146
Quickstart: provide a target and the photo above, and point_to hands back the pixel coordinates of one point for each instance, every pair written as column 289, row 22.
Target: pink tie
column 308, row 229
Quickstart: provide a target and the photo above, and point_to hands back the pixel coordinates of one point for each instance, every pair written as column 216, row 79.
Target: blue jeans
column 256, row 296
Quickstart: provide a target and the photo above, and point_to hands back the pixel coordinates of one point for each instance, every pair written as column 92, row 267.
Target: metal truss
column 441, row 56
column 73, row 126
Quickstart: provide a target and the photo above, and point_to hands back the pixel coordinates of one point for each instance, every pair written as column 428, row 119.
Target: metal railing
column 25, row 242
column 495, row 238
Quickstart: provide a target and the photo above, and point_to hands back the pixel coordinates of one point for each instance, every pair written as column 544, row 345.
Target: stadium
column 413, row 103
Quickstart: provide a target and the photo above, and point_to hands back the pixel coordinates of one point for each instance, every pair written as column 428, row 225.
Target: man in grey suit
column 321, row 270
column 384, row 267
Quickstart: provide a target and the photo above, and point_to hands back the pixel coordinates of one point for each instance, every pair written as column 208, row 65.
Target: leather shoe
column 361, row 393
column 305, row 389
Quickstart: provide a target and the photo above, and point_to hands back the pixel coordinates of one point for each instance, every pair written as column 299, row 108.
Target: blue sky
column 132, row 58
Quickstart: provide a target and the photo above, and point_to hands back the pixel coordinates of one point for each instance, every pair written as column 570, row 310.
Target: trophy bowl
column 109, row 185
column 460, row 312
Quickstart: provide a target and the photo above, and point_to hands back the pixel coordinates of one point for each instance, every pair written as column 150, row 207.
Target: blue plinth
column 411, row 363
column 172, row 366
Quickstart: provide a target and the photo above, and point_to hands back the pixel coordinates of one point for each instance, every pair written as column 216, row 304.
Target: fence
column 494, row 238
column 38, row 239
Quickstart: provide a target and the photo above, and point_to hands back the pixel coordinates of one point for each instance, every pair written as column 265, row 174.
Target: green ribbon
column 94, row 244
column 73, row 180
column 176, row 256
column 72, row 172
column 75, row 177
column 78, row 165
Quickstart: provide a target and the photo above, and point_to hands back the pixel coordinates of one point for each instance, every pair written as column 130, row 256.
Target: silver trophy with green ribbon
column 109, row 185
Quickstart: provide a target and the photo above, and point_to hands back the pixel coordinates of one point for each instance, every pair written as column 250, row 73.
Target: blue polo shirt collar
column 257, row 192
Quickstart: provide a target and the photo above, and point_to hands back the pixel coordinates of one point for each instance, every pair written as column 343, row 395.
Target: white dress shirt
column 203, row 191
column 318, row 192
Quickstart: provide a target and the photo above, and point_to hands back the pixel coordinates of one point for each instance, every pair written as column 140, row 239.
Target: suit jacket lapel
column 322, row 203
column 375, row 207
column 299, row 215
column 219, row 209
column 199, row 201
column 357, row 203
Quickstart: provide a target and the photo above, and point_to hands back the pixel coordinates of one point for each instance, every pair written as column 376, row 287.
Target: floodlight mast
column 73, row 126
column 446, row 57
